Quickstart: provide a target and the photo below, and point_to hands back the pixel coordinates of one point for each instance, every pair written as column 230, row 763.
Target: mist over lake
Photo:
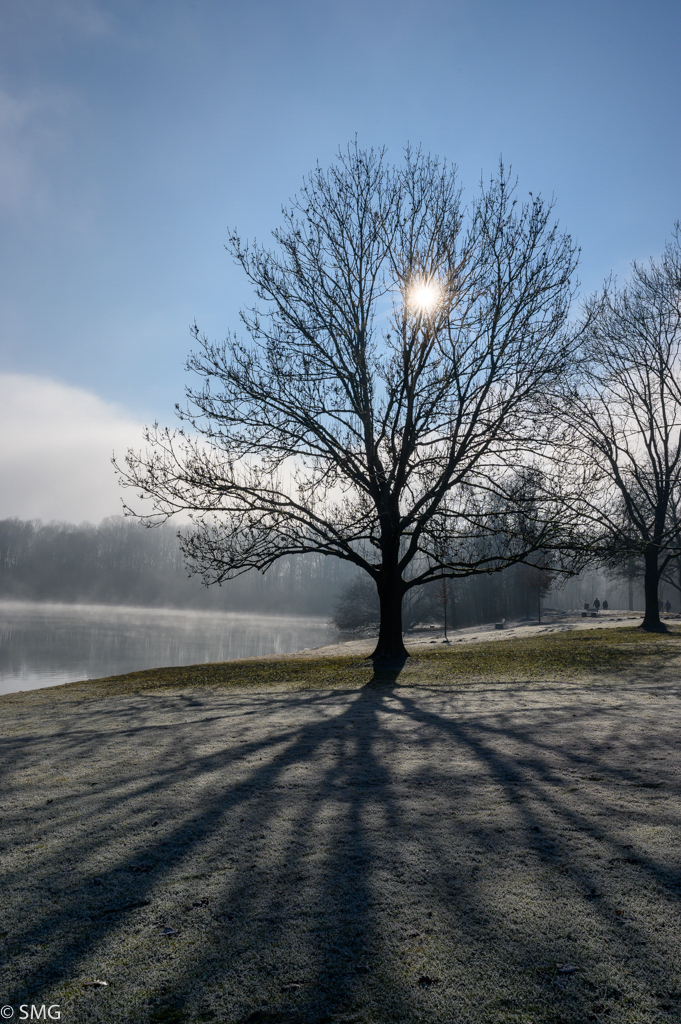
column 48, row 644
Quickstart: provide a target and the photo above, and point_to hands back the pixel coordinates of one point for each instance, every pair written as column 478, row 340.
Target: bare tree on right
column 623, row 406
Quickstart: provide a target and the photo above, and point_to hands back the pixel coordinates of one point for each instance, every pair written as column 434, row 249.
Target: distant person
column 605, row 606
column 668, row 607
column 597, row 604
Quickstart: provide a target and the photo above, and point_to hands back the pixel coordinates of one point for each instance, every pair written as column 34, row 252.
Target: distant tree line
column 121, row 562
column 515, row 593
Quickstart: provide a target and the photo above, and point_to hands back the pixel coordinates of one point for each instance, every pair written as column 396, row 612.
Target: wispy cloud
column 84, row 17
column 56, row 450
column 30, row 125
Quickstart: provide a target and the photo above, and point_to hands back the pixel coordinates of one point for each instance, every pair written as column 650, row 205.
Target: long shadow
column 530, row 776
column 71, row 926
column 315, row 923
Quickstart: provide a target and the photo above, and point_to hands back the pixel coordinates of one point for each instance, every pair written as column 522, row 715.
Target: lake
column 47, row 644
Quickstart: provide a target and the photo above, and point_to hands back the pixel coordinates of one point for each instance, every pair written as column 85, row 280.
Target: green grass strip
column 555, row 655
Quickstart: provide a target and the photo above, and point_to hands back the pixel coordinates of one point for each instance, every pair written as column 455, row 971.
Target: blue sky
column 133, row 134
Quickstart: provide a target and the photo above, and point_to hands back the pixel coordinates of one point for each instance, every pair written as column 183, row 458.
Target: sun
column 423, row 296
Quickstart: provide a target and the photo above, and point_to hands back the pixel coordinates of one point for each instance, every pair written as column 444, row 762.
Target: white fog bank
column 55, row 456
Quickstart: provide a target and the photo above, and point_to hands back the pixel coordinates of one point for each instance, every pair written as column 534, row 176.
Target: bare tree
column 386, row 395
column 537, row 579
column 671, row 572
column 624, row 407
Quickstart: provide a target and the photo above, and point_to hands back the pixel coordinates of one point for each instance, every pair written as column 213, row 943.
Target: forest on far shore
column 121, row 562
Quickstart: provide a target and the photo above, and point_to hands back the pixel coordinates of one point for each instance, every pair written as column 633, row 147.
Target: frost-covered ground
column 381, row 854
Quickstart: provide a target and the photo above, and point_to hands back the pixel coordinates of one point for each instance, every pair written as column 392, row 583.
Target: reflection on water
column 46, row 644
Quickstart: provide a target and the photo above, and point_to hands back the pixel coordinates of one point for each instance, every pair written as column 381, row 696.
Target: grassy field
column 488, row 834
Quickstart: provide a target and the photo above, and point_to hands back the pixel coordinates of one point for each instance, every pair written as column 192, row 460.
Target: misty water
column 48, row 644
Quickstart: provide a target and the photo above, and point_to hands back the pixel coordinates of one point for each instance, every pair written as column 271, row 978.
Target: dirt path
column 381, row 854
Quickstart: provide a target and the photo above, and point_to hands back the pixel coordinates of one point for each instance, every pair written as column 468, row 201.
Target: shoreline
column 563, row 649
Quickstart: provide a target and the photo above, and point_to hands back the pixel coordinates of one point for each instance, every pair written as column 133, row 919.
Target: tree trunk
column 651, row 619
column 390, row 643
column 630, row 572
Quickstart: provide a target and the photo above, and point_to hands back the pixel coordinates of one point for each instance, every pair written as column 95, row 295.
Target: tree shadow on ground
column 384, row 854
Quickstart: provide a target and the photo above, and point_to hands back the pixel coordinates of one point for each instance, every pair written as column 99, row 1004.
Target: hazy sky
column 133, row 134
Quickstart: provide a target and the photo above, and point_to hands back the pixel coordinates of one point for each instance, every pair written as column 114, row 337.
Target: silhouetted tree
column 671, row 572
column 538, row 580
column 388, row 390
column 624, row 406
